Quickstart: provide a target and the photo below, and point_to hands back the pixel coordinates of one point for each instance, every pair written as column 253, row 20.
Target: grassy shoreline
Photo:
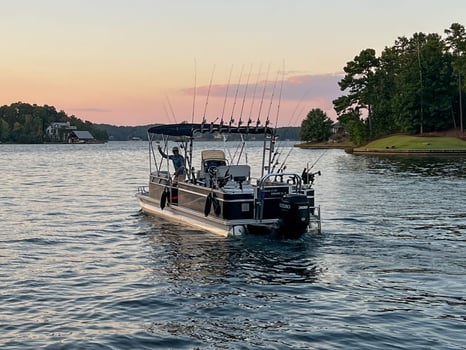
column 401, row 144
column 407, row 144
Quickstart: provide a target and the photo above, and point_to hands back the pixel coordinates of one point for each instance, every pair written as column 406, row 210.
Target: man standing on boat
column 178, row 163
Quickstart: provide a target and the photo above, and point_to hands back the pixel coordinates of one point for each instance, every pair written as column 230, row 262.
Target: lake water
column 80, row 268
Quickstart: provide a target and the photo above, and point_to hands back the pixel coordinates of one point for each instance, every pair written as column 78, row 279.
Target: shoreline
column 433, row 144
column 389, row 151
column 444, row 152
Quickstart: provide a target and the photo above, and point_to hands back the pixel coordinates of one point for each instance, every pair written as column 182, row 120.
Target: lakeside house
column 337, row 128
column 64, row 132
column 77, row 136
column 59, row 131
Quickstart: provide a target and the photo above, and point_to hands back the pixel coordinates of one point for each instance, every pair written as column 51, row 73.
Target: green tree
column 359, row 82
column 5, row 131
column 17, row 132
column 456, row 45
column 424, row 85
column 383, row 116
column 25, row 123
column 412, row 87
column 316, row 127
column 355, row 127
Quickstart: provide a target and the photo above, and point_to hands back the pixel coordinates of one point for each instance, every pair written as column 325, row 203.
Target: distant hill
column 125, row 133
column 27, row 123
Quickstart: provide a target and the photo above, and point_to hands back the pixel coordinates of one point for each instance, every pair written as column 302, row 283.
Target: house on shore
column 59, row 131
column 77, row 136
column 64, row 132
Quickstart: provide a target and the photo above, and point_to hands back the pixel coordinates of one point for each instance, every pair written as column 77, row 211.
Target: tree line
column 415, row 86
column 25, row 123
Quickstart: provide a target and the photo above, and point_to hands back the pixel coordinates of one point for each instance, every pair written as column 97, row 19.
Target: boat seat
column 211, row 159
column 238, row 173
column 209, row 164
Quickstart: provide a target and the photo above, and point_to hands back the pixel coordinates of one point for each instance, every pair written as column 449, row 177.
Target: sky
column 138, row 62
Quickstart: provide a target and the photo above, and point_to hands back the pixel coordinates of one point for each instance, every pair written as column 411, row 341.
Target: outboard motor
column 294, row 216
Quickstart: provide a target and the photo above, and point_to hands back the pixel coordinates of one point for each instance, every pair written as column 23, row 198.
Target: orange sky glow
column 142, row 62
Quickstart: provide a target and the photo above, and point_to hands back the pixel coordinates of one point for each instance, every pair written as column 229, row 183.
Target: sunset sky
column 135, row 62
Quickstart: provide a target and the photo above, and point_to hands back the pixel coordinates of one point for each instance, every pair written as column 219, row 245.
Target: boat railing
column 160, row 177
column 143, row 190
column 280, row 183
column 291, row 179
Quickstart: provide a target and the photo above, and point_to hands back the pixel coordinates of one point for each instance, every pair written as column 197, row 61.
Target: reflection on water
column 80, row 268
column 421, row 166
column 224, row 291
column 194, row 255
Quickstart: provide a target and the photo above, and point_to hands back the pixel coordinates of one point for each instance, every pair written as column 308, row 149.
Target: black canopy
column 191, row 129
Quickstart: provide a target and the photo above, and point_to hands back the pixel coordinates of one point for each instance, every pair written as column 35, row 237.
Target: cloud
column 296, row 95
column 296, row 87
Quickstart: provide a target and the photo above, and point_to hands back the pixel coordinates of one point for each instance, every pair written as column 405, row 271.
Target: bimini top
column 191, row 129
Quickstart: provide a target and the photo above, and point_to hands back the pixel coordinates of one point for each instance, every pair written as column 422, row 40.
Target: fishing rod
column 234, row 101
column 171, row 109
column 244, row 98
column 276, row 153
column 208, row 94
column 240, row 147
column 267, row 121
column 226, row 148
column 272, row 137
column 167, row 114
column 309, row 177
column 165, row 150
column 253, row 98
column 294, row 115
column 283, row 165
column 262, row 99
column 243, row 149
column 150, row 137
column 226, row 95
column 194, row 92
column 322, row 154
column 258, row 122
column 280, row 95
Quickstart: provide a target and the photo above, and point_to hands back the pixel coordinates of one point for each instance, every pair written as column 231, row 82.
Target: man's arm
column 161, row 152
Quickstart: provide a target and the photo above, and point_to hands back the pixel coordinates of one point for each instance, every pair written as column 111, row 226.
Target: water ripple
column 81, row 268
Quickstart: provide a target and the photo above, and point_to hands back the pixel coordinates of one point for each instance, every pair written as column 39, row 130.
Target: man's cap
column 175, row 149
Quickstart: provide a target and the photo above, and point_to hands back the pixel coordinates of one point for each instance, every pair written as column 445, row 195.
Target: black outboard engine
column 294, row 216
